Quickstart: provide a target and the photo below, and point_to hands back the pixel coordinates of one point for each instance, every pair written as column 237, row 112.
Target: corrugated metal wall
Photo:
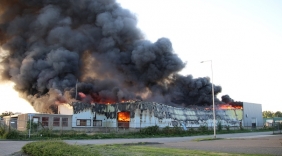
column 252, row 114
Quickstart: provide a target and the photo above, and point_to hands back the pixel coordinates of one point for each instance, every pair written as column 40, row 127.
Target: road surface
column 253, row 143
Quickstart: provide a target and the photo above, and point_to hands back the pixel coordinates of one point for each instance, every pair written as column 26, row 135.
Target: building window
column 56, row 121
column 35, row 120
column 97, row 123
column 45, row 121
column 83, row 122
column 65, row 122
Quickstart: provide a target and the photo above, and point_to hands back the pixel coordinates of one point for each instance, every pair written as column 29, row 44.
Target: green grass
column 55, row 148
column 206, row 139
column 59, row 148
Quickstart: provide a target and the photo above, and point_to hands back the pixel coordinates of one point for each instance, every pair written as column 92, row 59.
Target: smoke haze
column 51, row 46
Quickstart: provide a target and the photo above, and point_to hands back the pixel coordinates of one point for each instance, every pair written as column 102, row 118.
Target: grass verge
column 207, row 139
column 54, row 148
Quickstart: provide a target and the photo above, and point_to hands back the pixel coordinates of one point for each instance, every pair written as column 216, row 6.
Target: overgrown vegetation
column 219, row 126
column 32, row 126
column 153, row 131
column 56, row 148
column 8, row 133
column 227, row 127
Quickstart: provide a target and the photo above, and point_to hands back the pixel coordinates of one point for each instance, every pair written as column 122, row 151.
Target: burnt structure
column 138, row 114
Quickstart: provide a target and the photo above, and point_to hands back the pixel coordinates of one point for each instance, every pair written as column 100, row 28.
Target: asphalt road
column 254, row 143
column 170, row 139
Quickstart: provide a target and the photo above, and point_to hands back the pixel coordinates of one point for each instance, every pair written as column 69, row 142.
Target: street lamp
column 214, row 131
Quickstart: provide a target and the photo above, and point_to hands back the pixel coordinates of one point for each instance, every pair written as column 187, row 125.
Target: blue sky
column 243, row 38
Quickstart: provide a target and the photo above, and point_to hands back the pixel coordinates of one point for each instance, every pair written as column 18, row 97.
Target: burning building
column 92, row 54
column 140, row 114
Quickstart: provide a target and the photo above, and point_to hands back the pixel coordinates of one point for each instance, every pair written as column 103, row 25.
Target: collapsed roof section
column 158, row 111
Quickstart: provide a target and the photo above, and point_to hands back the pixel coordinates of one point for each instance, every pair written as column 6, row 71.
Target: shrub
column 152, row 130
column 191, row 130
column 227, row 127
column 55, row 148
column 34, row 126
column 219, row 126
column 177, row 130
column 172, row 130
column 242, row 128
column 167, row 130
column 2, row 131
column 11, row 134
column 203, row 129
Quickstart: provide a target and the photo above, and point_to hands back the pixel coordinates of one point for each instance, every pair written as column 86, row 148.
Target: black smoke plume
column 226, row 99
column 51, row 46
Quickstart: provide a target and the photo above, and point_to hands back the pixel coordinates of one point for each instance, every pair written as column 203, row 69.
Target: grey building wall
column 10, row 121
column 50, row 123
column 252, row 113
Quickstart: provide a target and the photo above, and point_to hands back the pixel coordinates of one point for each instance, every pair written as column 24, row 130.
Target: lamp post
column 213, row 107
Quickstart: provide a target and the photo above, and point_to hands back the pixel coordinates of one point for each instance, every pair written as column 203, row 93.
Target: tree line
column 270, row 114
column 6, row 114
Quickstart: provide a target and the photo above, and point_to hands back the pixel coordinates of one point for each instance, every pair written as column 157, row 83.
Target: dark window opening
column 83, row 122
column 45, row 121
column 56, row 121
column 65, row 122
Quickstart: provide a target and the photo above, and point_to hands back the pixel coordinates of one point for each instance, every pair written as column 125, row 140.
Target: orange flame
column 124, row 116
column 226, row 106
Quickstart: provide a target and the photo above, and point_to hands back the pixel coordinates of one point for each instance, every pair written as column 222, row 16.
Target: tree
column 267, row 114
column 277, row 114
column 6, row 114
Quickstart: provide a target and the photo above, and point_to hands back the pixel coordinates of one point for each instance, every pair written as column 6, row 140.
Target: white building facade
column 140, row 114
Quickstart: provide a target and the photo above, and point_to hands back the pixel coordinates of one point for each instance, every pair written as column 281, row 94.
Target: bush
column 34, row 126
column 167, row 130
column 172, row 130
column 191, row 131
column 178, row 130
column 152, row 130
column 12, row 134
column 2, row 131
column 203, row 129
column 46, row 132
column 227, row 127
column 219, row 126
column 55, row 148
column 242, row 128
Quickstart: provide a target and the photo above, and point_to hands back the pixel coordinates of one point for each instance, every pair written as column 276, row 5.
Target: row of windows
column 56, row 121
column 87, row 122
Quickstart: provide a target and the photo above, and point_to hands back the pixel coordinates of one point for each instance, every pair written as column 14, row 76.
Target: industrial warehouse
column 135, row 115
column 139, row 114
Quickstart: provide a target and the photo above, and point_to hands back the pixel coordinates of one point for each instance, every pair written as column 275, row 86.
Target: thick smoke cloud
column 226, row 99
column 52, row 46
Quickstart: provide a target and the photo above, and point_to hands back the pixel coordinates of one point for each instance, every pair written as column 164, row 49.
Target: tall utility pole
column 213, row 107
